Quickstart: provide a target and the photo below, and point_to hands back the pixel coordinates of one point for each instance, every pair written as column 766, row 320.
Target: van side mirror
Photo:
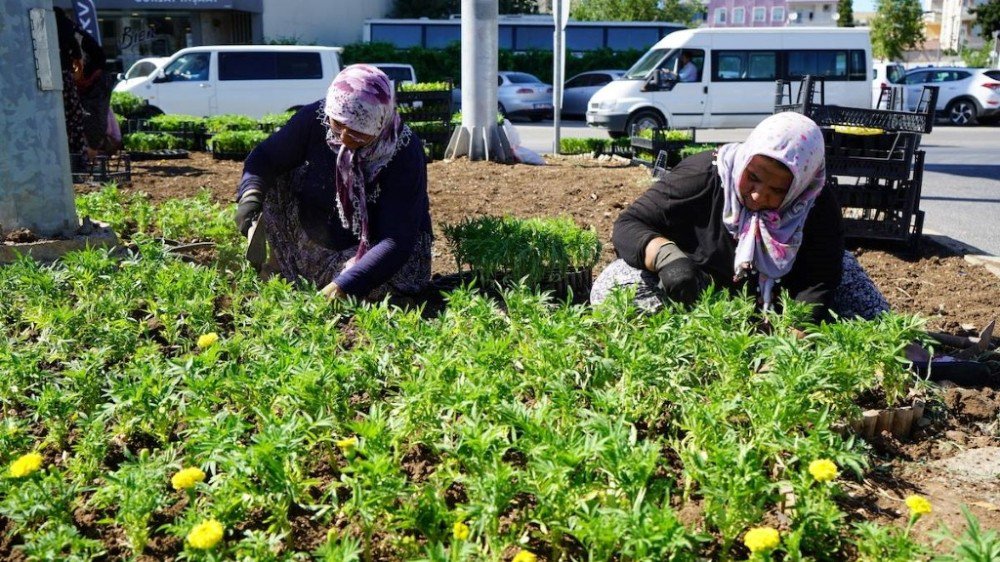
column 159, row 76
column 120, row 76
column 660, row 80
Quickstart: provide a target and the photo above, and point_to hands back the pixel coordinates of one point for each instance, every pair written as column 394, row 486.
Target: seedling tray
column 101, row 169
column 165, row 154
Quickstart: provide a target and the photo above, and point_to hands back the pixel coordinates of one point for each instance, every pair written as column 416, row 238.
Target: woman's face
column 764, row 184
column 350, row 138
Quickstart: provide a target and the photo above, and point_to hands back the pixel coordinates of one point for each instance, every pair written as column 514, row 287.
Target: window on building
column 826, row 7
column 739, row 14
column 401, row 36
column 778, row 13
column 439, row 36
column 621, row 38
column 720, row 16
column 532, row 38
column 759, row 14
column 584, row 38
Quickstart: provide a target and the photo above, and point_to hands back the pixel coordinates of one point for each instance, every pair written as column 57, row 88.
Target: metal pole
column 558, row 55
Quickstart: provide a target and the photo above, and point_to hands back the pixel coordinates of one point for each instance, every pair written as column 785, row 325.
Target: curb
column 971, row 254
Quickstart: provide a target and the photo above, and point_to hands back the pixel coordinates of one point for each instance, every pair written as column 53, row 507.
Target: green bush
column 273, row 121
column 445, row 64
column 538, row 250
column 127, row 105
column 668, row 135
column 456, row 118
column 145, row 142
column 695, row 149
column 237, row 142
column 583, row 146
column 221, row 123
column 177, row 123
column 425, row 87
column 422, row 127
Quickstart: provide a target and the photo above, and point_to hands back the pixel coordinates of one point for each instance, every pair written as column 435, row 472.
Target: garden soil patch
column 949, row 459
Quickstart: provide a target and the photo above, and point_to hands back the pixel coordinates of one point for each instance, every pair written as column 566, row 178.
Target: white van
column 734, row 85
column 247, row 80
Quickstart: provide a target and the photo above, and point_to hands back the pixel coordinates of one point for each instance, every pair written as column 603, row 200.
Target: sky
column 864, row 6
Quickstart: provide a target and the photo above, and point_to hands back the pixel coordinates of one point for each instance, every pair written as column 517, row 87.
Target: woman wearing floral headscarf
column 341, row 191
column 755, row 210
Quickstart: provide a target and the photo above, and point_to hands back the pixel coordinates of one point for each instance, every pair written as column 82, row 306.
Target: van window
column 192, row 67
column 831, row 65
column 859, row 66
column 744, row 66
column 895, row 73
column 263, row 65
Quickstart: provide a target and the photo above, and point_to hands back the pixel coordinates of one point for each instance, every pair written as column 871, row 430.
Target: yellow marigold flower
column 918, row 505
column 760, row 539
column 207, row 340
column 823, row 470
column 205, row 535
column 460, row 531
column 348, row 444
column 26, row 465
column 187, row 478
column 525, row 556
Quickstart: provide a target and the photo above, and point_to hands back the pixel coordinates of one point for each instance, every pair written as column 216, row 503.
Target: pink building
column 747, row 13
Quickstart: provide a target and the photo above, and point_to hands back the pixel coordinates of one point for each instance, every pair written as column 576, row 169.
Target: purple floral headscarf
column 768, row 241
column 361, row 98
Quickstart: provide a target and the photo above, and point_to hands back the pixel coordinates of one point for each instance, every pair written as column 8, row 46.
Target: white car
column 400, row 73
column 964, row 94
column 139, row 70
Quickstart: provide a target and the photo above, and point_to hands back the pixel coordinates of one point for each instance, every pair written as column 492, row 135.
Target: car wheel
column 962, row 112
column 644, row 119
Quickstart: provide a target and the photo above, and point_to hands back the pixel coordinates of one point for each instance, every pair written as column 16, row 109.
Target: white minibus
column 734, row 85
column 247, row 80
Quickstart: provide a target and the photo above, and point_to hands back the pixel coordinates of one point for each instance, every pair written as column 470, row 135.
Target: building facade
column 771, row 13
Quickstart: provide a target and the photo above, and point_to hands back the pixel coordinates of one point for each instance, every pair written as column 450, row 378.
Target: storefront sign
column 86, row 14
column 255, row 6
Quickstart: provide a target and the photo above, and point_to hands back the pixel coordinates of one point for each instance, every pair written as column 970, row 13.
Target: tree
column 897, row 27
column 845, row 13
column 987, row 17
column 682, row 11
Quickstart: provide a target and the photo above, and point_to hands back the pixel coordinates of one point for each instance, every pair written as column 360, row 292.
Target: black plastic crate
column 194, row 138
column 886, row 155
column 805, row 102
column 882, row 208
column 101, row 169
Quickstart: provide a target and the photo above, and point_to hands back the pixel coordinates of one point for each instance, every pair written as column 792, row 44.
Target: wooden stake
column 884, row 422
column 902, row 421
column 869, row 419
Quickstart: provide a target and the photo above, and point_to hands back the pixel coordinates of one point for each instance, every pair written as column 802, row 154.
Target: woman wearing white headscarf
column 341, row 191
column 750, row 211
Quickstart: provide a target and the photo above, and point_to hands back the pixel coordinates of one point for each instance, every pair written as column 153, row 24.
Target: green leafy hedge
column 443, row 64
column 538, row 250
column 175, row 123
column 220, row 123
column 127, row 105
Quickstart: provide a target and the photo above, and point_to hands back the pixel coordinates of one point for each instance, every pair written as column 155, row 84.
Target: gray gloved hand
column 248, row 209
column 680, row 278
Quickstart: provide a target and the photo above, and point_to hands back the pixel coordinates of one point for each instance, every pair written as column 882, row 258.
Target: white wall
column 324, row 22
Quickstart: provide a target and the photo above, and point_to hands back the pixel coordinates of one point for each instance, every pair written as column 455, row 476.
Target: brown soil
column 938, row 284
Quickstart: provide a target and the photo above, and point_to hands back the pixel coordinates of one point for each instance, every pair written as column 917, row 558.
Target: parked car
column 964, row 95
column 518, row 95
column 397, row 72
column 579, row 89
column 886, row 75
column 251, row 80
column 522, row 95
column 139, row 70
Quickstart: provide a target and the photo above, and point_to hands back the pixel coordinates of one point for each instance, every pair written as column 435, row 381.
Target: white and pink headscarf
column 768, row 241
column 361, row 98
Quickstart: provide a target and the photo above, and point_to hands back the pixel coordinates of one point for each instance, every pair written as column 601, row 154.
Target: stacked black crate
column 873, row 160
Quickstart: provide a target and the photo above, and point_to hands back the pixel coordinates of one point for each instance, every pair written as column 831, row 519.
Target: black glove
column 248, row 209
column 680, row 278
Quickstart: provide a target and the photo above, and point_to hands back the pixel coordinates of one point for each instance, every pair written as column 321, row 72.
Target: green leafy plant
column 145, row 142
column 126, row 104
column 541, row 249
column 224, row 123
column 273, row 121
column 693, row 149
column 237, row 142
column 424, row 87
column 175, row 123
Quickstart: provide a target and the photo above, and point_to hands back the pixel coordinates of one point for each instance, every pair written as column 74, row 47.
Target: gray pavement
column 961, row 187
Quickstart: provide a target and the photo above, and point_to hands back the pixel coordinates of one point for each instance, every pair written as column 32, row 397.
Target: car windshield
column 522, row 78
column 648, row 62
column 396, row 73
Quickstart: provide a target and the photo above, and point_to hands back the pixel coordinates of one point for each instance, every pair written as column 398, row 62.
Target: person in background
column 69, row 55
column 750, row 213
column 688, row 70
column 94, row 85
column 341, row 192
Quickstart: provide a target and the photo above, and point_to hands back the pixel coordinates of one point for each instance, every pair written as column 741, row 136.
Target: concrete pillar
column 479, row 137
column 36, row 189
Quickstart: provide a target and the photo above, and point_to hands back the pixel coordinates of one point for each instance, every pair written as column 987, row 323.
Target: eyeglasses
column 339, row 129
